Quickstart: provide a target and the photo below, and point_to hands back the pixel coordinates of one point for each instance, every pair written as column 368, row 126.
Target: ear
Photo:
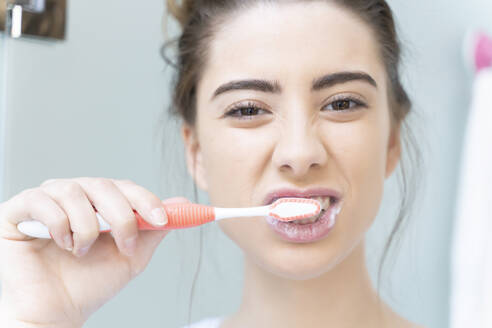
column 394, row 150
column 194, row 162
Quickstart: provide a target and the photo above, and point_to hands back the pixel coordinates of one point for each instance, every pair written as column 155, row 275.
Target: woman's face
column 297, row 131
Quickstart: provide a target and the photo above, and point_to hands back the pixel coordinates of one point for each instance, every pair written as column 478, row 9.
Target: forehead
column 295, row 40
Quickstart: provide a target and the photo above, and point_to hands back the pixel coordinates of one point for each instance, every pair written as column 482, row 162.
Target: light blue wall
column 90, row 106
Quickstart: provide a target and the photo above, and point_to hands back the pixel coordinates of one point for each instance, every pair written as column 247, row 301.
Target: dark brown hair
column 199, row 19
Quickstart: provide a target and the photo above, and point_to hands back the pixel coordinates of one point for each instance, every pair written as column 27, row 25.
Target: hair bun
column 181, row 12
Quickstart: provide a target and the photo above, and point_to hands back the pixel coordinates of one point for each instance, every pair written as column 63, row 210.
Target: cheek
column 234, row 163
column 360, row 152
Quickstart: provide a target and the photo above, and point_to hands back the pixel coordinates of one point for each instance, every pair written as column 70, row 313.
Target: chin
column 294, row 261
column 299, row 262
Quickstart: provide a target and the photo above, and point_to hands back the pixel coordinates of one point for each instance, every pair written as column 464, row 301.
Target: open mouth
column 309, row 229
column 325, row 201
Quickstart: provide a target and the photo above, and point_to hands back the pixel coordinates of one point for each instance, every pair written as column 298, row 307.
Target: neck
column 343, row 296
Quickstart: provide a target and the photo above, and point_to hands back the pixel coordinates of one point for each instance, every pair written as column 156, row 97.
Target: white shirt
column 211, row 322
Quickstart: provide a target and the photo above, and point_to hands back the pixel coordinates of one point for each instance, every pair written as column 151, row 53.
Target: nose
column 299, row 148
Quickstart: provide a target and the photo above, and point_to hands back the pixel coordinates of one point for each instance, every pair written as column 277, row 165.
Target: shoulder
column 210, row 322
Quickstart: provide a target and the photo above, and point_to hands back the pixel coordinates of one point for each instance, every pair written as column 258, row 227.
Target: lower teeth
column 309, row 220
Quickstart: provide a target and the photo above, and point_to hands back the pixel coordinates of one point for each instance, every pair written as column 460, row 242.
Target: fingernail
column 82, row 251
column 131, row 244
column 159, row 216
column 67, row 240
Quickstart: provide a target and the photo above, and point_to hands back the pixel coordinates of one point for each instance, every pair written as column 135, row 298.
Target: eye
column 245, row 111
column 344, row 104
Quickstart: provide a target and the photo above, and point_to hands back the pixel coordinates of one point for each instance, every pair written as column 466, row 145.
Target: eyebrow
column 325, row 81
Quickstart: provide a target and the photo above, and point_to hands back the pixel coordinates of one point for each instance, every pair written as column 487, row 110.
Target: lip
column 290, row 192
column 305, row 233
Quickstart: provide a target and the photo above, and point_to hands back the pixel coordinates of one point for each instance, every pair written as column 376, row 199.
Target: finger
column 146, row 203
column 35, row 204
column 45, row 182
column 115, row 208
column 149, row 240
column 83, row 221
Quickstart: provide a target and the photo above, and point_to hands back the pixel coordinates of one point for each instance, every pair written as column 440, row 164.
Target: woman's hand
column 62, row 281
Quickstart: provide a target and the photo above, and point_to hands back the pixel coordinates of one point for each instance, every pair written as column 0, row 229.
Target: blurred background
column 84, row 92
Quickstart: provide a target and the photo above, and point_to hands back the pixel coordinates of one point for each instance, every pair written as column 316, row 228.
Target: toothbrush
column 187, row 215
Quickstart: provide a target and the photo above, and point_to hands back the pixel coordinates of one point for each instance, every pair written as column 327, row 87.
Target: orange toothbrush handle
column 180, row 215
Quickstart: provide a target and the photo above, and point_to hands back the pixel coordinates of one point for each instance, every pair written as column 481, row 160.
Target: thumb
column 150, row 239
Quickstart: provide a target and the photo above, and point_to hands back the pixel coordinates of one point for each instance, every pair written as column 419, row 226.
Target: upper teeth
column 325, row 201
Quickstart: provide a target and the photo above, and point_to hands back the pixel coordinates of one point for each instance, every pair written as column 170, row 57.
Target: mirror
column 33, row 18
